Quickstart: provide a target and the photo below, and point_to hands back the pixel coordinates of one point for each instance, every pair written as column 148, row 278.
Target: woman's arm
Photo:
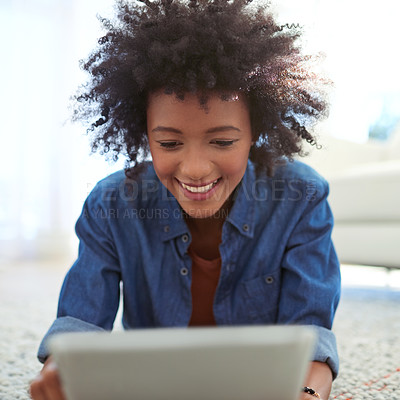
column 319, row 378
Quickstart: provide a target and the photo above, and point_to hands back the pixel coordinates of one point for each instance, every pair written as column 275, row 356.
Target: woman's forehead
column 200, row 95
column 203, row 101
column 188, row 113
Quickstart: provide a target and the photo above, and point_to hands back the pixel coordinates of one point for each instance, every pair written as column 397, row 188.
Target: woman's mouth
column 199, row 192
column 199, row 189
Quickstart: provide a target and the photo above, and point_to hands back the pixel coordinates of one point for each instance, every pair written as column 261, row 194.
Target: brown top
column 205, row 276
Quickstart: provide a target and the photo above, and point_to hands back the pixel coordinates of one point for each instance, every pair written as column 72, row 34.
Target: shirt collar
column 174, row 224
column 242, row 213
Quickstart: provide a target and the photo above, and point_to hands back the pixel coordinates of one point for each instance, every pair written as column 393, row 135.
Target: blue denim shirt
column 279, row 265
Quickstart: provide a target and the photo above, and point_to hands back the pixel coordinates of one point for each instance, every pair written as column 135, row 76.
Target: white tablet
column 221, row 363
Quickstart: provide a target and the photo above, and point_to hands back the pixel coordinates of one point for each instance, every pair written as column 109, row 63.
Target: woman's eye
column 224, row 143
column 169, row 145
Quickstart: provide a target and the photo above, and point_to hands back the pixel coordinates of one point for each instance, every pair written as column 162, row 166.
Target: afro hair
column 199, row 46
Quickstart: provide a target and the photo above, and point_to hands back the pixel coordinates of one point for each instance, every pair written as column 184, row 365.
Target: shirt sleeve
column 310, row 288
column 90, row 294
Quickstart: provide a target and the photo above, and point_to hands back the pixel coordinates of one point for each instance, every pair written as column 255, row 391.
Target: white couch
column 365, row 198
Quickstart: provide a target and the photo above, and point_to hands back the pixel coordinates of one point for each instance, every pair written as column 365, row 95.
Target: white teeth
column 199, row 189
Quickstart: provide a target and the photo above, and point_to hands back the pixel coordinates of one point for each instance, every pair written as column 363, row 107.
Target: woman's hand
column 319, row 378
column 47, row 385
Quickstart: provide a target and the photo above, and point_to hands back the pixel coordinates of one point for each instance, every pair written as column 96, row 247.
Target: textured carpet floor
column 367, row 328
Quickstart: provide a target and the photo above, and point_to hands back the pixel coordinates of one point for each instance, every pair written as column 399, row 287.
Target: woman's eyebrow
column 166, row 129
column 223, row 128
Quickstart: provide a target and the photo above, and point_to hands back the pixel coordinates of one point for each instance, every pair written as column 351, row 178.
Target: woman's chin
column 205, row 213
column 213, row 210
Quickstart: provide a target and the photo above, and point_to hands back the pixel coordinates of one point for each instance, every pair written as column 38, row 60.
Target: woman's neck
column 207, row 233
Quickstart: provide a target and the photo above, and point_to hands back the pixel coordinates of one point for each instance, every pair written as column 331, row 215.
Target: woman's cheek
column 165, row 166
column 234, row 164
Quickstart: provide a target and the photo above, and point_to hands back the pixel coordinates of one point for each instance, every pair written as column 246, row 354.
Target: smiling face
column 199, row 154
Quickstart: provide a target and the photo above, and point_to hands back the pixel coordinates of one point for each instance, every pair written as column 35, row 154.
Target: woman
column 221, row 227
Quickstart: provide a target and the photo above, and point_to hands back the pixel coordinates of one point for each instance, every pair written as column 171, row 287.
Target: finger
column 35, row 389
column 52, row 383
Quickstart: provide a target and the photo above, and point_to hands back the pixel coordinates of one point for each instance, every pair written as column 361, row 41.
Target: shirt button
column 184, row 271
column 185, row 238
column 269, row 279
column 166, row 228
column 246, row 227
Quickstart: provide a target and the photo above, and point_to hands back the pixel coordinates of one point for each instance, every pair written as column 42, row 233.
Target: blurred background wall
column 46, row 171
column 45, row 168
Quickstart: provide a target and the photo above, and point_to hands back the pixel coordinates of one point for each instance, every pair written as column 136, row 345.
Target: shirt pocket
column 261, row 296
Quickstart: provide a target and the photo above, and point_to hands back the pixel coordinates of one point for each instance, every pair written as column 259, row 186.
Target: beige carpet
column 367, row 327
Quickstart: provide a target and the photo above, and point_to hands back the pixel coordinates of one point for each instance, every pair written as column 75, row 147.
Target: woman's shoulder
column 119, row 177
column 291, row 179
column 117, row 187
column 297, row 170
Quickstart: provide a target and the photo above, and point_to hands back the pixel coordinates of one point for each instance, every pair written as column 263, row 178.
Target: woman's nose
column 195, row 166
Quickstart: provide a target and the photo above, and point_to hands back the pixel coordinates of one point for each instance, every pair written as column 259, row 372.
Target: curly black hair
column 199, row 46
